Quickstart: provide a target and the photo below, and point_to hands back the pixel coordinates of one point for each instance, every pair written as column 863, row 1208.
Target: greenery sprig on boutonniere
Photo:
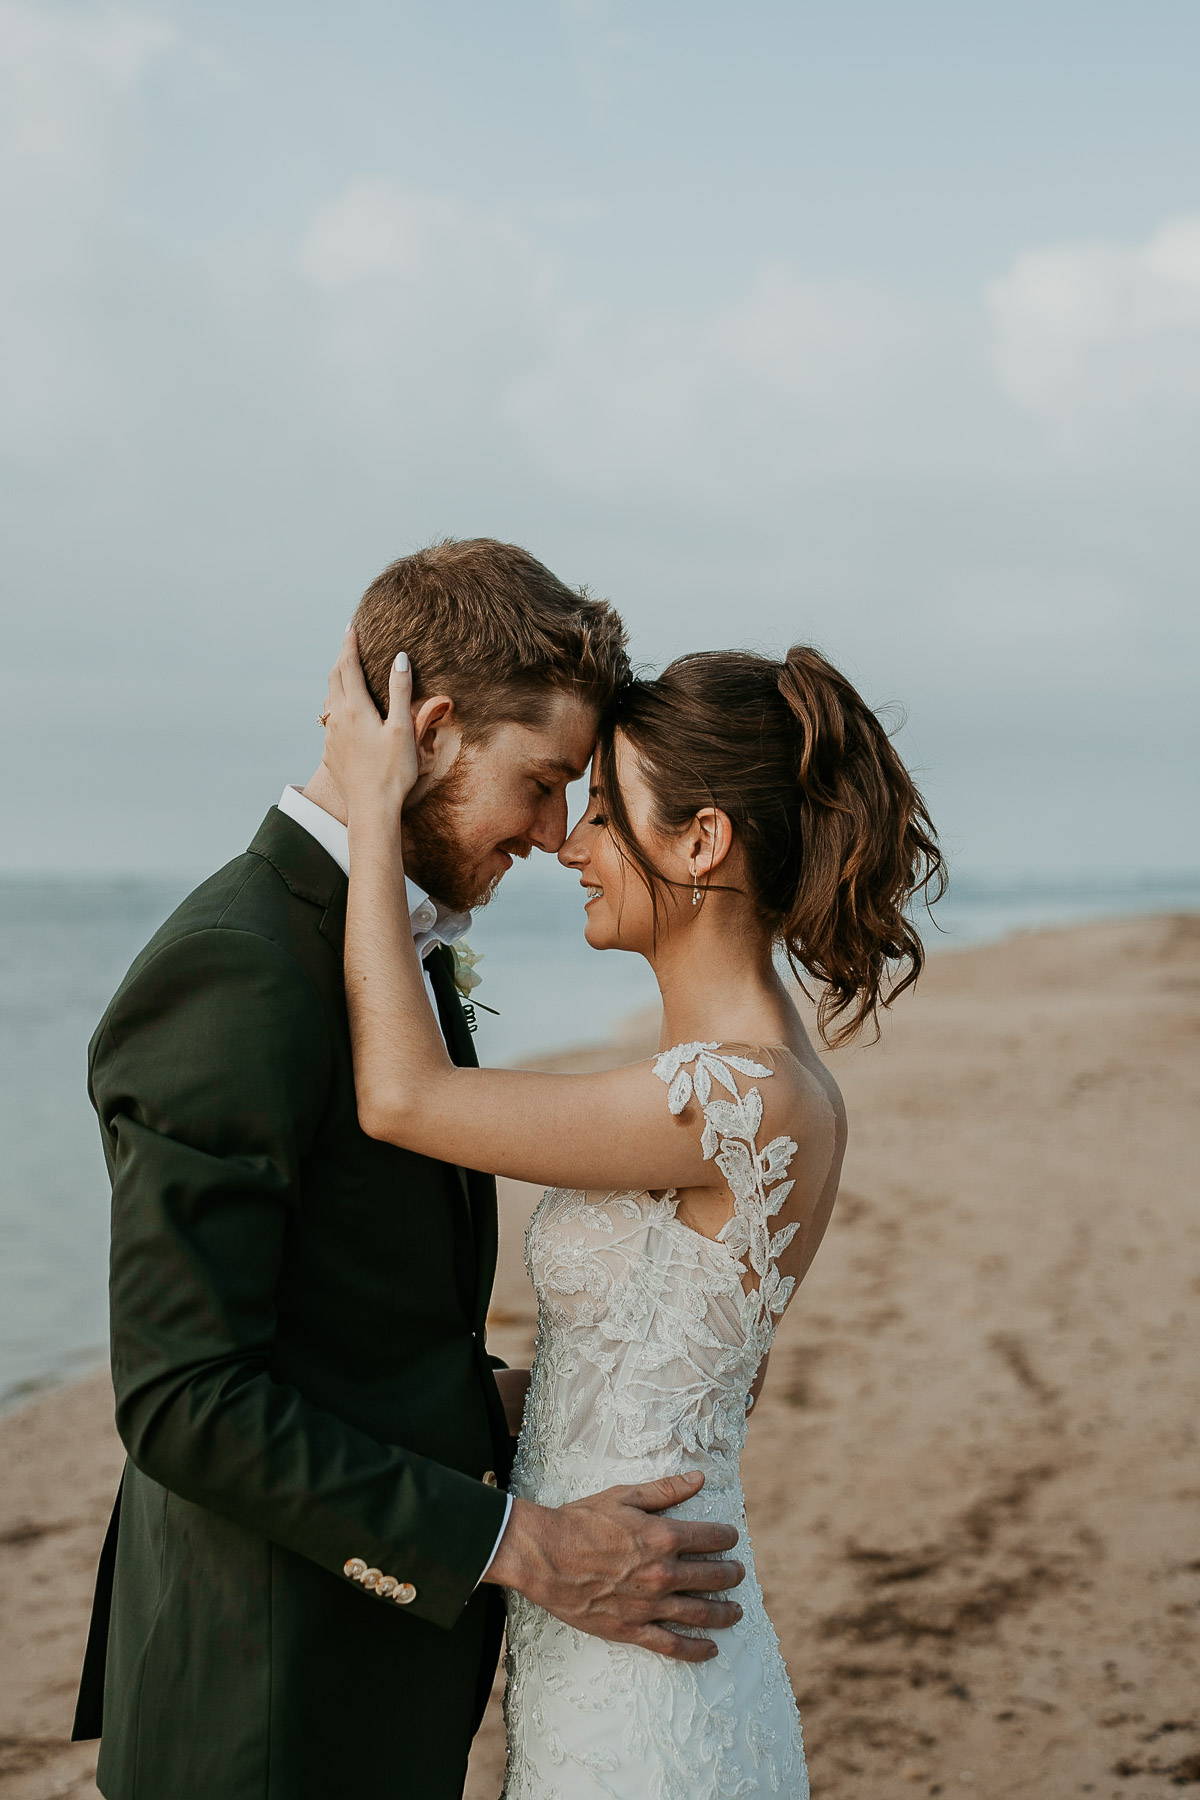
column 466, row 980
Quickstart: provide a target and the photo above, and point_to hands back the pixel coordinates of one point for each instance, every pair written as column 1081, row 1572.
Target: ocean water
column 65, row 943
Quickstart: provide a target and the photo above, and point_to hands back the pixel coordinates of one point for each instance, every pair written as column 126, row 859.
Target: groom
column 300, row 1594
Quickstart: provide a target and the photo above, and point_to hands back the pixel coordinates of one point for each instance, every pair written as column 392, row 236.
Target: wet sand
column 974, row 1476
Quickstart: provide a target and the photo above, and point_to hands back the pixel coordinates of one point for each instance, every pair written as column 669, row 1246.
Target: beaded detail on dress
column 649, row 1338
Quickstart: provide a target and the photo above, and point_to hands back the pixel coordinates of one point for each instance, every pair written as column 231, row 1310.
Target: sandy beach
column 974, row 1477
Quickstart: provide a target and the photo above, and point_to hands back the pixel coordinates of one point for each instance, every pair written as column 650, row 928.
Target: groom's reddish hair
column 490, row 626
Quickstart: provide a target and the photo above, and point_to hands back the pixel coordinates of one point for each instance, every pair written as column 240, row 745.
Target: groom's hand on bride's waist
column 609, row 1565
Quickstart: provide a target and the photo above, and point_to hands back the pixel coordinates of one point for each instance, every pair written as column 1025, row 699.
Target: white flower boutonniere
column 466, row 961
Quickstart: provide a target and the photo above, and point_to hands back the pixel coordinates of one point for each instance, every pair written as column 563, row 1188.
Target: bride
column 739, row 807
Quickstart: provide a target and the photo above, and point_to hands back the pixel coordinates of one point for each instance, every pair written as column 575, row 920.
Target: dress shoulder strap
column 756, row 1177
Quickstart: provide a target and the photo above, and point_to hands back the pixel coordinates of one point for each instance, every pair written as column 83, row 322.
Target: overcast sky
column 871, row 325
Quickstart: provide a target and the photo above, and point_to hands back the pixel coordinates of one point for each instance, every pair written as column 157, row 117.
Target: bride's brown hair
column 835, row 838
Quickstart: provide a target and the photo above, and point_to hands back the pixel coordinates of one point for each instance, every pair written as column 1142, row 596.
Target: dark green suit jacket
column 301, row 1374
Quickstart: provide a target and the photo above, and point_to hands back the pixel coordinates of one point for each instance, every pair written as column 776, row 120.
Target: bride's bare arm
column 608, row 1130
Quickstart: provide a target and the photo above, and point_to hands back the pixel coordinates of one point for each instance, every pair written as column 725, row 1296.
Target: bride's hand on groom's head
column 374, row 762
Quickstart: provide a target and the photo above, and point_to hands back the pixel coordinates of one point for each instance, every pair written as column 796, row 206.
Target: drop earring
column 695, row 890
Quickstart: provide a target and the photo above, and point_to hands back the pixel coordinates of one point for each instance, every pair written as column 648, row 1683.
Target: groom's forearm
column 487, row 1567
column 232, row 1440
column 200, row 1412
column 520, row 1560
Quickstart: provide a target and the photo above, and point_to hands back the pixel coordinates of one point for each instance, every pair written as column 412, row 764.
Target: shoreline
column 972, row 1479
column 81, row 1366
column 1161, row 893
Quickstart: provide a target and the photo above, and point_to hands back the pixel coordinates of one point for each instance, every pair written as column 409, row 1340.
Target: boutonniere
column 466, row 961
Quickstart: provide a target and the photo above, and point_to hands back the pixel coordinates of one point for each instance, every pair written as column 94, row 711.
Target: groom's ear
column 437, row 733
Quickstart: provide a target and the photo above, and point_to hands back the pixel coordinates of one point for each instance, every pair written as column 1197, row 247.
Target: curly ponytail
column 868, row 846
column 835, row 837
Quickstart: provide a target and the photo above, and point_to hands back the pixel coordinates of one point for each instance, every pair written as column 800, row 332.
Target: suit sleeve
column 210, row 1077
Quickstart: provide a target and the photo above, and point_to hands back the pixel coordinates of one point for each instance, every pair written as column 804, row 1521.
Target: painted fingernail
column 402, row 663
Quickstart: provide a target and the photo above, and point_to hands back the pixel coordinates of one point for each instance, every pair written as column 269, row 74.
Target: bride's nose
column 573, row 855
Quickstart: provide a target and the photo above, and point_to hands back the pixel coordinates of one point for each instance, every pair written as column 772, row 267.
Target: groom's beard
column 434, row 853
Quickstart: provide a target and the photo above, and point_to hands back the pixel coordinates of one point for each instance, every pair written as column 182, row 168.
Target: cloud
column 735, row 404
column 466, row 321
column 66, row 83
column 62, row 73
column 1099, row 334
column 207, row 451
column 421, row 310
column 379, row 229
column 431, row 341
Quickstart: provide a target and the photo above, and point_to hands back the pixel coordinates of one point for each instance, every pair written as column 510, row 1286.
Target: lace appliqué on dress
column 755, row 1177
column 649, row 1336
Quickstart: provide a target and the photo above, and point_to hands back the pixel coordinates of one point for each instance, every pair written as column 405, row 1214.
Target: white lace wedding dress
column 647, row 1345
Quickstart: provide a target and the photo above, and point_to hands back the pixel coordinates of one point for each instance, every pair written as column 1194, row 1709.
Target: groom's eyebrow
column 553, row 766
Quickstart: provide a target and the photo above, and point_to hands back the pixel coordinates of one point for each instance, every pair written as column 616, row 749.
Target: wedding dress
column 648, row 1342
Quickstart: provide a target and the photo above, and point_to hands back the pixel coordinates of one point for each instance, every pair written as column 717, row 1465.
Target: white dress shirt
column 432, row 924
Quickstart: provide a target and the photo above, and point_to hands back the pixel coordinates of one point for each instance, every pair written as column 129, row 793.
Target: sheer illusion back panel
column 780, row 1153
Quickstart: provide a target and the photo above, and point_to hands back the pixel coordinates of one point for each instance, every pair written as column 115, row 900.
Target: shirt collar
column 432, row 923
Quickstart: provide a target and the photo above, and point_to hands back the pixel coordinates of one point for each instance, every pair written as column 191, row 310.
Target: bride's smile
column 625, row 910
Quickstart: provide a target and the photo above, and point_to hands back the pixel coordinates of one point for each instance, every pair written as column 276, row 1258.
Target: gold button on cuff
column 386, row 1586
column 370, row 1577
column 405, row 1592
column 489, row 1478
column 355, row 1568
